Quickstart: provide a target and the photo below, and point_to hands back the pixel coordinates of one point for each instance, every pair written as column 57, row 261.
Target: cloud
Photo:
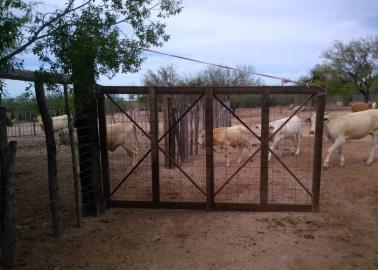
column 281, row 38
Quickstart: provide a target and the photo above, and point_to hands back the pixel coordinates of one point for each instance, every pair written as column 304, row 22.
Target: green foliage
column 349, row 67
column 14, row 15
column 25, row 107
column 96, row 28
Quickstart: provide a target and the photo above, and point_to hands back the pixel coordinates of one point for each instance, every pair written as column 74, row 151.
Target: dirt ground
column 343, row 235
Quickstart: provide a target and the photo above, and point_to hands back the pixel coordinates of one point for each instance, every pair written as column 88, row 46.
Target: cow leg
column 373, row 148
column 240, row 153
column 272, row 146
column 226, row 154
column 296, row 141
column 342, row 158
column 335, row 146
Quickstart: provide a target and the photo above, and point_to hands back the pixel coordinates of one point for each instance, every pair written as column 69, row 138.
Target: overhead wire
column 283, row 80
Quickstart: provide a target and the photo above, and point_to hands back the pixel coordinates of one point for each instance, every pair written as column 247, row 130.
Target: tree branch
column 36, row 36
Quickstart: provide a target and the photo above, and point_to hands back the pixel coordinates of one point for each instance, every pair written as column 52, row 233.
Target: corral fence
column 161, row 178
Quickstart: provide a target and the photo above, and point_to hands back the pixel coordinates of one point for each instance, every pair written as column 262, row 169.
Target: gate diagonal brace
column 291, row 116
column 149, row 151
column 130, row 172
column 238, row 118
column 279, row 159
column 236, row 172
column 291, row 173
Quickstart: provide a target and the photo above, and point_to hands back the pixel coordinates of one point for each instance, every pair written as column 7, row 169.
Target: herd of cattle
column 338, row 128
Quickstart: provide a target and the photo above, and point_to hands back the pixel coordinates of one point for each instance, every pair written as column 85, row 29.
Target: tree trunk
column 83, row 76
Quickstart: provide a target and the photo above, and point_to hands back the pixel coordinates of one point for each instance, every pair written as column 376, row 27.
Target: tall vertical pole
column 318, row 142
column 51, row 159
column 209, row 148
column 154, row 147
column 264, row 172
column 103, row 146
column 76, row 182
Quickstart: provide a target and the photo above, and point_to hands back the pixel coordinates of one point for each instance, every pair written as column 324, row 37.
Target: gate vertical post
column 209, row 148
column 171, row 134
column 318, row 142
column 264, row 172
column 154, row 147
column 103, row 146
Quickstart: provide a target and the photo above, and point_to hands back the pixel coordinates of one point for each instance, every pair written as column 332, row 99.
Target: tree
column 164, row 76
column 14, row 15
column 354, row 63
column 215, row 76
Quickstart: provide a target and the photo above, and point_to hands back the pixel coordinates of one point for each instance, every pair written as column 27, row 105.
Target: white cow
column 59, row 122
column 123, row 134
column 341, row 127
column 292, row 130
column 225, row 137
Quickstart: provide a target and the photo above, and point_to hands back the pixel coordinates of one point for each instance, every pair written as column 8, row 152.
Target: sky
column 279, row 38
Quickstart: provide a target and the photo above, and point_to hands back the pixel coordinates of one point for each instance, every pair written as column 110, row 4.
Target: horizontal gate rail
column 217, row 90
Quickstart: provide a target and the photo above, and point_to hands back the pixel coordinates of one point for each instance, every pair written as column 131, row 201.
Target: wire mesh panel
column 129, row 145
column 236, row 152
column 181, row 158
column 226, row 148
column 291, row 159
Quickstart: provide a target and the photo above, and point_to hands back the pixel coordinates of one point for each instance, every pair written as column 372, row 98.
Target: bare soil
column 343, row 235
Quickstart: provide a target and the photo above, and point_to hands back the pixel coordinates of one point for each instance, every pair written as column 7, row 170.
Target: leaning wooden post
column 154, row 148
column 103, row 146
column 318, row 142
column 208, row 104
column 51, row 159
column 264, row 172
column 8, row 246
column 76, row 182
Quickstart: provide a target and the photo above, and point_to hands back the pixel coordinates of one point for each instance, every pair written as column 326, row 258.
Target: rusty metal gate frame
column 159, row 140
column 210, row 94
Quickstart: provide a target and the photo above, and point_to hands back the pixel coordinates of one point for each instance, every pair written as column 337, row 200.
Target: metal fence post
column 264, row 172
column 154, row 147
column 317, row 165
column 209, row 148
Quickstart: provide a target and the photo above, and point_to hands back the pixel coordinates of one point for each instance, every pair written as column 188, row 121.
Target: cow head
column 9, row 119
column 311, row 119
column 271, row 129
column 201, row 139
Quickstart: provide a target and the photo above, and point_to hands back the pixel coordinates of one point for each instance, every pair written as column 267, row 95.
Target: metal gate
column 204, row 185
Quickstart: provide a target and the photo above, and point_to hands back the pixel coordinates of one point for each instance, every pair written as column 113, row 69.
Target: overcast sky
column 280, row 38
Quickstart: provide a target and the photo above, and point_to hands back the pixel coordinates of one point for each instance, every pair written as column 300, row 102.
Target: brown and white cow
column 237, row 137
column 341, row 127
column 360, row 106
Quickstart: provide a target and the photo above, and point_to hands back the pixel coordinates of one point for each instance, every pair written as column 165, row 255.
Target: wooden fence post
column 264, row 172
column 51, row 159
column 317, row 165
column 8, row 239
column 76, row 182
column 209, row 149
column 154, row 147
